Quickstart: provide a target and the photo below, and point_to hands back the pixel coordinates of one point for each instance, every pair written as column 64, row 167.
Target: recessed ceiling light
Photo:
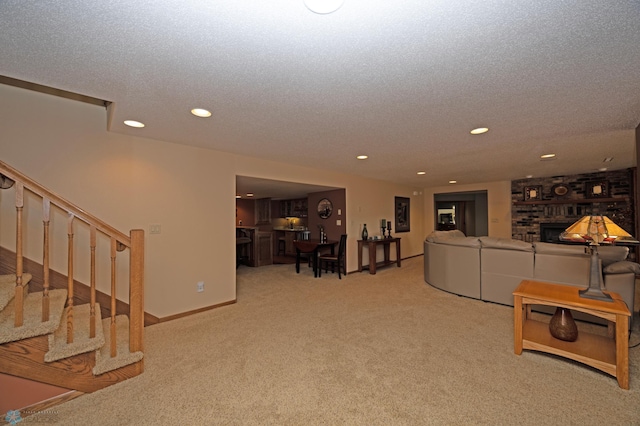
column 529, row 176
column 362, row 157
column 602, row 169
column 200, row 112
column 547, row 156
column 238, row 196
column 422, row 173
column 323, row 6
column 453, row 181
column 249, row 194
column 479, row 130
column 133, row 123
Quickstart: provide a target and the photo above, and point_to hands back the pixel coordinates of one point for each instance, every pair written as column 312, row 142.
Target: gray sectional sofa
column 490, row 269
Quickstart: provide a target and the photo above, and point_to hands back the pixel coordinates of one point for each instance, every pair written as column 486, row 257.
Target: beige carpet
column 32, row 320
column 383, row 349
column 82, row 342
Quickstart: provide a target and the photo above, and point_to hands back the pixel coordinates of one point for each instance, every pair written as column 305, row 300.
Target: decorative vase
column 562, row 326
column 365, row 233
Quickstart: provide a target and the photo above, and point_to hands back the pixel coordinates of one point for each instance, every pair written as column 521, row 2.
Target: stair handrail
column 59, row 201
column 119, row 241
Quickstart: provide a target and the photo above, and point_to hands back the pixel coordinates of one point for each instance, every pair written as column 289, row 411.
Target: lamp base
column 595, row 294
column 596, row 282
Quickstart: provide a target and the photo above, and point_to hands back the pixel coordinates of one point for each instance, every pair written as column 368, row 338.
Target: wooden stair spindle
column 92, row 303
column 46, row 209
column 19, row 304
column 112, row 328
column 70, row 279
column 136, row 292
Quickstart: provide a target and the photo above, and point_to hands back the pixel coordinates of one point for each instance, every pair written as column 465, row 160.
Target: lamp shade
column 595, row 230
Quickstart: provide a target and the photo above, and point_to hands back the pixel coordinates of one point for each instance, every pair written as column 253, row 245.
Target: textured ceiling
column 402, row 81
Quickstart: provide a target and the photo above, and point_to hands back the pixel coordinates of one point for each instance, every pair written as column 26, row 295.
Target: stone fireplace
column 550, row 232
column 542, row 208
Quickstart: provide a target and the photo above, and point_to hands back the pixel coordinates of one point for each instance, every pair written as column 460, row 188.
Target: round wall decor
column 325, row 208
column 561, row 190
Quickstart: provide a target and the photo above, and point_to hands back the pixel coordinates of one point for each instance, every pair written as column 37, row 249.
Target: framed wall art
column 532, row 193
column 402, row 211
column 597, row 189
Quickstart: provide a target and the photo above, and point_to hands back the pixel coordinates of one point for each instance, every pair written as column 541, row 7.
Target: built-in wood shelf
column 573, row 201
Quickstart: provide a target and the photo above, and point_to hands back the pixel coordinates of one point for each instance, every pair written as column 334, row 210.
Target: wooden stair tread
column 25, row 358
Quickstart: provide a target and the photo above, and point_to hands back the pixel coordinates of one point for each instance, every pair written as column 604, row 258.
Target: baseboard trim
column 195, row 311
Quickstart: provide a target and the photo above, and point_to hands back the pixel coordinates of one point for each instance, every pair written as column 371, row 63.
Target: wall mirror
column 325, row 208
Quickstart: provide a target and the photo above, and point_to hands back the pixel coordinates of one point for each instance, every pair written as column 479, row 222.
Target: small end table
column 606, row 353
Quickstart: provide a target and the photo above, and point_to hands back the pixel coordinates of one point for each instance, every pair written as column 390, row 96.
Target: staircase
column 55, row 329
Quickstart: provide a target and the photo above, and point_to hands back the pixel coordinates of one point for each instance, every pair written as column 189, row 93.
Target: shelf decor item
column 561, row 190
column 599, row 189
column 562, row 326
column 533, row 193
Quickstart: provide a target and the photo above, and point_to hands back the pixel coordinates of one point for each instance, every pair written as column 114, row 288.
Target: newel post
column 136, row 291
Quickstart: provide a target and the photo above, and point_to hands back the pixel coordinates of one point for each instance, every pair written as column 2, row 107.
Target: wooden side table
column 609, row 354
column 372, row 244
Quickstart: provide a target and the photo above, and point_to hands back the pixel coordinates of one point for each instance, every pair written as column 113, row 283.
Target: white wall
column 133, row 182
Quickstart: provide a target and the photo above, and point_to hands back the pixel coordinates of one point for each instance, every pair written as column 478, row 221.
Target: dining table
column 313, row 247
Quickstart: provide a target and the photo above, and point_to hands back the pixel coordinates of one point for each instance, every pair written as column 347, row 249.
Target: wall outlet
column 200, row 286
column 155, row 229
column 338, row 222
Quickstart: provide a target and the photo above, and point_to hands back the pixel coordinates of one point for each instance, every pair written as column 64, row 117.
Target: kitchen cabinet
column 259, row 251
column 264, row 248
column 263, row 211
column 289, row 248
column 294, row 208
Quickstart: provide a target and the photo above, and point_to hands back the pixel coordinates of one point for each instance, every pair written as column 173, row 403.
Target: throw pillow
column 622, row 267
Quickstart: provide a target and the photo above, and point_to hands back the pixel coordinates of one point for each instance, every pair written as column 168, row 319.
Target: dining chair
column 335, row 260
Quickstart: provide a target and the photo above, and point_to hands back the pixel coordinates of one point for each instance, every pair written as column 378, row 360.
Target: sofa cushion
column 439, row 236
column 622, row 267
column 505, row 243
column 612, row 254
column 560, row 249
column 473, row 242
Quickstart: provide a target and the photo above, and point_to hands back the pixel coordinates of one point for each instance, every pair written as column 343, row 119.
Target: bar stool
column 282, row 245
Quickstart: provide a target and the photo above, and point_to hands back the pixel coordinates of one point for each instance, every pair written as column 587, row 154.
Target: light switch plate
column 338, row 222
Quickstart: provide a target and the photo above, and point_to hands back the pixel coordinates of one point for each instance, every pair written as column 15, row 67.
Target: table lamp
column 595, row 230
